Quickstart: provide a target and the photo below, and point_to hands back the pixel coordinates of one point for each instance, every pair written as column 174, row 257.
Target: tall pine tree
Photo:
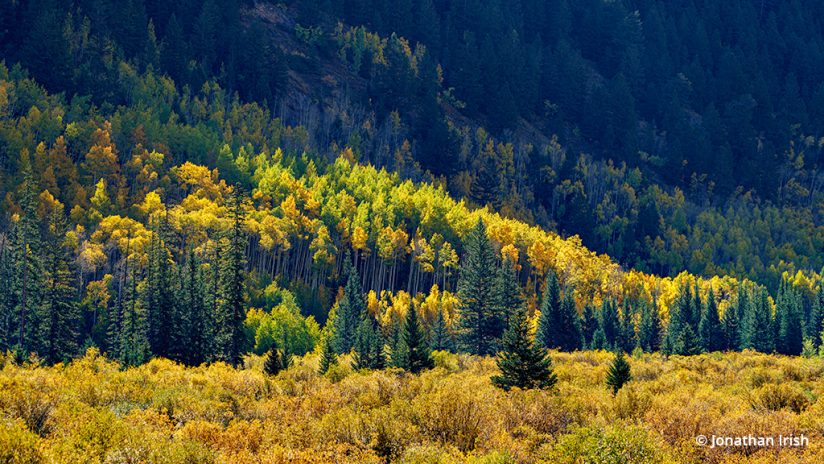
column 230, row 308
column 475, row 290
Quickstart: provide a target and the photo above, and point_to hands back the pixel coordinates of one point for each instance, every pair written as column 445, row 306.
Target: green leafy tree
column 523, row 363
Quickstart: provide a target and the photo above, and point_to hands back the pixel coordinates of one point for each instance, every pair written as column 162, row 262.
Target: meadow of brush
column 92, row 411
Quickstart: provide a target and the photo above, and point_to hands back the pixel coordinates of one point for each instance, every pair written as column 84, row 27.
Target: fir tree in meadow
column 522, row 362
column 231, row 311
column 369, row 344
column 60, row 314
column 589, row 324
column 550, row 333
column 350, row 308
column 788, row 315
column 733, row 320
column 328, row 357
column 609, row 323
column 274, row 363
column 440, row 337
column 710, row 329
column 476, row 290
column 416, row 353
column 649, row 329
column 506, row 295
column 619, row 372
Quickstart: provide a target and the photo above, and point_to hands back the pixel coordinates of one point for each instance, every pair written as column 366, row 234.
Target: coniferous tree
column 440, row 338
column 159, row 301
column 649, row 329
column 609, row 323
column 351, row 307
column 550, row 324
column 627, row 338
column 760, row 334
column 619, row 372
column 523, row 363
column 230, row 309
column 328, row 357
column 589, row 324
column 733, row 320
column 506, row 295
column 368, row 347
column 274, row 362
column 710, row 328
column 199, row 333
column 60, row 316
column 133, row 342
column 682, row 337
column 26, row 265
column 789, row 321
column 416, row 354
column 475, row 289
column 816, row 315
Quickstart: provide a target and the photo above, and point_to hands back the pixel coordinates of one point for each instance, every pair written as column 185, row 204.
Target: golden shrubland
column 161, row 412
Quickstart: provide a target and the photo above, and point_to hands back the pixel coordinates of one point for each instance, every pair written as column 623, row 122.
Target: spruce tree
column 709, row 328
column 609, row 323
column 274, row 362
column 26, row 264
column 550, row 333
column 523, row 363
column 133, row 342
column 814, row 326
column 733, row 320
column 368, row 348
column 627, row 338
column 328, row 357
column 350, row 308
column 589, row 325
column 682, row 337
column 60, row 316
column 619, row 372
column 193, row 303
column 506, row 295
column 788, row 317
column 649, row 330
column 159, row 299
column 440, row 338
column 416, row 354
column 230, row 309
column 762, row 336
column 475, row 291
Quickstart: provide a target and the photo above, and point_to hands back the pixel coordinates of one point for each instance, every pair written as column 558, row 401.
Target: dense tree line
column 667, row 202
column 113, row 236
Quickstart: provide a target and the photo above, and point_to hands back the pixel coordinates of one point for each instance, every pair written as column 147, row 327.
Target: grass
column 161, row 412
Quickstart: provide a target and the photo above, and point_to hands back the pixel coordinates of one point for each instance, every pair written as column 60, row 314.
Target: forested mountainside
column 120, row 236
column 671, row 135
